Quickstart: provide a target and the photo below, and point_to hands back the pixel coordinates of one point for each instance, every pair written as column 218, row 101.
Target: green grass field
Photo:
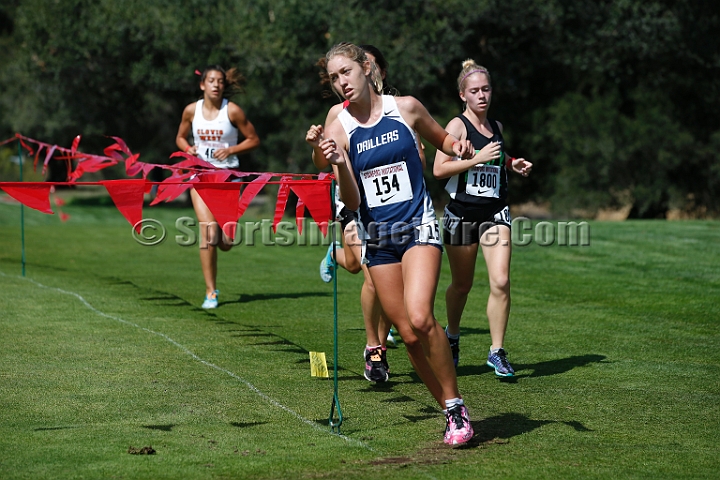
column 104, row 347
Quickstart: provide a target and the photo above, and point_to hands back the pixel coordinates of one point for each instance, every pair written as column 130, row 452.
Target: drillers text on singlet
column 377, row 141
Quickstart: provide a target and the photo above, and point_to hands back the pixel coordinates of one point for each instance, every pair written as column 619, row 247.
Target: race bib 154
column 386, row 185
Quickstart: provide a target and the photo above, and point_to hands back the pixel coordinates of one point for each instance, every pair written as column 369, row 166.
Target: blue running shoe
column 211, row 301
column 498, row 361
column 327, row 265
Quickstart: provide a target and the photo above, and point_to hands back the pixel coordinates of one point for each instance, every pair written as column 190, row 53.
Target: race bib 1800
column 483, row 181
column 386, row 185
column 206, row 150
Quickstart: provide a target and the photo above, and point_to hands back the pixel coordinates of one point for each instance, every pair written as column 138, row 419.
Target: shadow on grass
column 294, row 347
column 246, row 424
column 164, row 428
column 343, row 429
column 474, row 331
column 419, row 418
column 347, row 377
column 556, row 367
column 48, row 429
column 259, row 297
column 324, row 421
column 168, row 300
column 282, row 341
column 375, row 386
column 501, row 428
column 342, row 378
column 470, row 370
column 251, row 334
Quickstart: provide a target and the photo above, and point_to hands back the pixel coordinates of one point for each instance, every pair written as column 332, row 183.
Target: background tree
column 615, row 101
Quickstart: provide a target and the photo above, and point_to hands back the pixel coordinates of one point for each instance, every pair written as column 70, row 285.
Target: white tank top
column 211, row 135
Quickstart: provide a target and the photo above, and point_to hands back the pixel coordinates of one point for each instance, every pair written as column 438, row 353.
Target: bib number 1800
column 483, row 181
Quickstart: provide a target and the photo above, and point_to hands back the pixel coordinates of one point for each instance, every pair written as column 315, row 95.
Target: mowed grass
column 616, row 347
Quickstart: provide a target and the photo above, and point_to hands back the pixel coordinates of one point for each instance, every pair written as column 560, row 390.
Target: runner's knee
column 461, row 287
column 369, row 285
column 352, row 264
column 500, row 285
column 422, row 322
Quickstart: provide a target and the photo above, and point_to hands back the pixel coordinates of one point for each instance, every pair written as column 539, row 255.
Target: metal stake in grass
column 334, row 421
column 22, row 211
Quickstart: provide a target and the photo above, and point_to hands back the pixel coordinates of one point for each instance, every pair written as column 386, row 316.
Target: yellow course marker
column 318, row 365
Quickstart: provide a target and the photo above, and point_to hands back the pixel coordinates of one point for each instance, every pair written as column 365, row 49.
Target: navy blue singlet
column 386, row 162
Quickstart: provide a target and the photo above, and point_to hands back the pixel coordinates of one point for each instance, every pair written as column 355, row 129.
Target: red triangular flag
column 35, row 196
column 299, row 214
column 222, row 200
column 282, row 198
column 120, row 145
column 37, row 155
column 76, row 142
column 51, row 150
column 128, row 198
column 316, row 197
column 170, row 189
column 90, row 165
column 132, row 166
column 251, row 191
column 215, row 176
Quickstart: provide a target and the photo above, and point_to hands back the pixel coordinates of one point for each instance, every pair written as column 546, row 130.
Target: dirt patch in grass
column 141, row 451
column 391, row 460
column 437, row 454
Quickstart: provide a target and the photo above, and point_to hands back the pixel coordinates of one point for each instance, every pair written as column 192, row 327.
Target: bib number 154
column 386, row 185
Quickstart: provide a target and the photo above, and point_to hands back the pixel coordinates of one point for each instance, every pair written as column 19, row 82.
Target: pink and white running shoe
column 458, row 429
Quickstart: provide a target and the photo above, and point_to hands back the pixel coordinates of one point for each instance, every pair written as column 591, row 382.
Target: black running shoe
column 374, row 368
column 384, row 360
column 455, row 349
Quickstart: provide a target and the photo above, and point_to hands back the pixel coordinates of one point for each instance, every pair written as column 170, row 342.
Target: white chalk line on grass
column 194, row 356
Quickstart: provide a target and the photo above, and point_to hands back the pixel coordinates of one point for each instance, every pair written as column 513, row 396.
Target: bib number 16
column 206, row 150
column 209, row 153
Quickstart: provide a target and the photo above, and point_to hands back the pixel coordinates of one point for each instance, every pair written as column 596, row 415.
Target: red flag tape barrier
column 225, row 200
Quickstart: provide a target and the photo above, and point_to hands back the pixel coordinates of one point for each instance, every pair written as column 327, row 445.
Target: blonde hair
column 357, row 55
column 469, row 67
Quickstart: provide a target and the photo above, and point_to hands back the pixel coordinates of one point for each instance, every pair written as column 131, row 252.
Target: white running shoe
column 211, row 301
column 391, row 339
